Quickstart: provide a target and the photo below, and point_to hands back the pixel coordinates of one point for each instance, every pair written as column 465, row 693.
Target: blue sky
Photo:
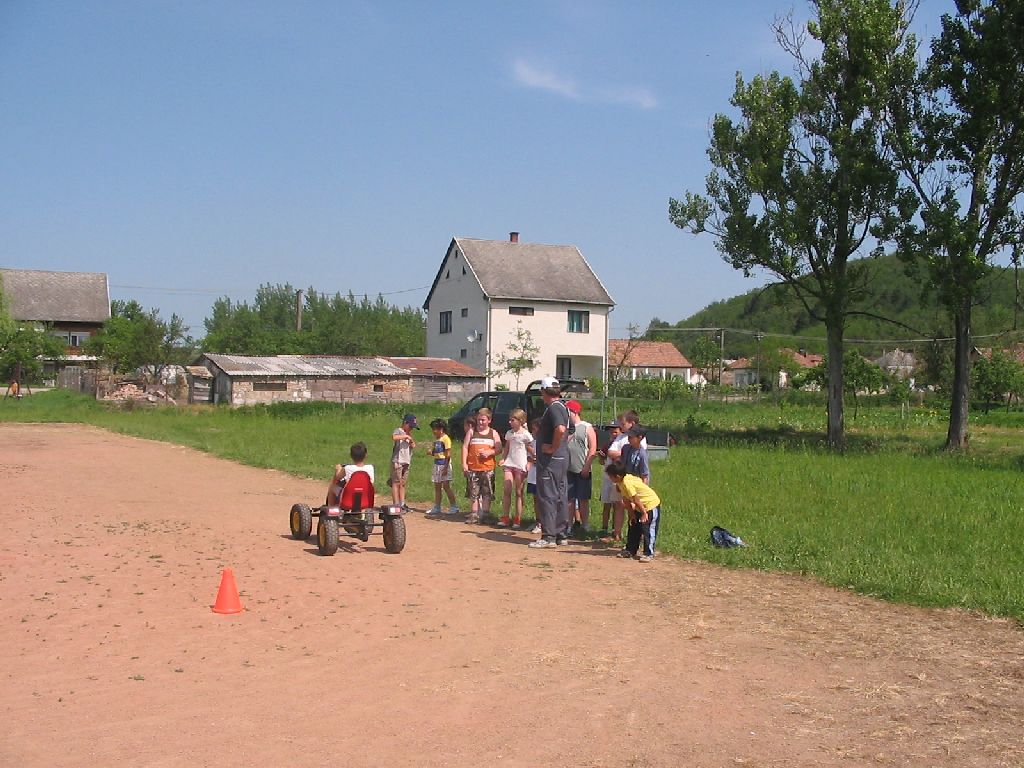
column 193, row 150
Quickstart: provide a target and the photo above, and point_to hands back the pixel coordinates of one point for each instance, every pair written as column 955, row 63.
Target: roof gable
column 645, row 354
column 44, row 296
column 531, row 271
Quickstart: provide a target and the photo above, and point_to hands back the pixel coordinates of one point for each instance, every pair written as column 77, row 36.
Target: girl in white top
column 518, row 453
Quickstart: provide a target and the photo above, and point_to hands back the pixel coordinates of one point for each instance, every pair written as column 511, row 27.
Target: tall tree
column 802, row 182
column 960, row 144
column 133, row 338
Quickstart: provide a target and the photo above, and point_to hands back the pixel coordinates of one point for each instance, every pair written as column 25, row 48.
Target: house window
column 579, row 321
column 77, row 339
column 446, row 322
column 525, row 311
column 462, row 354
column 378, row 387
column 269, row 386
column 464, row 312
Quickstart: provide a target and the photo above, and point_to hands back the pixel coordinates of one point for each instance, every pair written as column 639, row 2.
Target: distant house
column 898, row 363
column 740, row 373
column 629, row 358
column 805, row 360
column 484, row 290
column 72, row 305
column 243, row 380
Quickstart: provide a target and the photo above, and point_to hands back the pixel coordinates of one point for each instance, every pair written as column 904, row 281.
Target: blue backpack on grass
column 722, row 538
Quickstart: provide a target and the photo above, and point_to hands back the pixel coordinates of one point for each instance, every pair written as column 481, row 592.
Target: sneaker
column 434, row 510
column 453, row 511
column 536, row 529
column 562, row 541
column 472, row 518
column 645, row 558
column 541, row 544
column 405, row 507
column 517, row 524
column 504, row 522
column 625, row 553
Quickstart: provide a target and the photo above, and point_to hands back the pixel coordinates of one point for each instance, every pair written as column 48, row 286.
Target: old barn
column 243, row 380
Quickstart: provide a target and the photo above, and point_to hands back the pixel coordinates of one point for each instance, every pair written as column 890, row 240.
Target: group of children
column 625, row 486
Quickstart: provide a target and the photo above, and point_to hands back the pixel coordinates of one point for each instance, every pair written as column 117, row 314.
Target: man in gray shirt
column 552, row 467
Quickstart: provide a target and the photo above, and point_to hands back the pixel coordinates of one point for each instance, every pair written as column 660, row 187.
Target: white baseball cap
column 549, row 382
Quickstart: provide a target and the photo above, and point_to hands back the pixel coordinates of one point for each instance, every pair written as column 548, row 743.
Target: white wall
column 455, row 292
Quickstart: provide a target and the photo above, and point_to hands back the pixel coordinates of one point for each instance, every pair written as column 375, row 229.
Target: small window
column 463, row 270
column 464, row 312
column 270, row 386
column 378, row 387
column 447, row 274
column 462, row 354
column 579, row 321
column 526, row 311
column 446, row 322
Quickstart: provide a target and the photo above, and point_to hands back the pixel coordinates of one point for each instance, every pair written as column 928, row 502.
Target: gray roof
column 507, row 270
column 300, row 365
column 70, row 297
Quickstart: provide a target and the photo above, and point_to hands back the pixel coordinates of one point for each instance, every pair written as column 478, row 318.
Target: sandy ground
column 468, row 649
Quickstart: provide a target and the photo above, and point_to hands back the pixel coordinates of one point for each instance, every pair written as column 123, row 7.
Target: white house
column 634, row 359
column 486, row 289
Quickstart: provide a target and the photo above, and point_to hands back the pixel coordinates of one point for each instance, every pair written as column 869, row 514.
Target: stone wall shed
column 242, row 380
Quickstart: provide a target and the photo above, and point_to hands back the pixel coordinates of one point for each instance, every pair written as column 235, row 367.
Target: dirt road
column 468, row 649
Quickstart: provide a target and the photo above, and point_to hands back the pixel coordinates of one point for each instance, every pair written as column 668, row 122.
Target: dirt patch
column 467, row 649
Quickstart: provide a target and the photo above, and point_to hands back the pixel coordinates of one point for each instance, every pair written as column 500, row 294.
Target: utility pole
column 298, row 310
column 759, row 336
column 721, row 356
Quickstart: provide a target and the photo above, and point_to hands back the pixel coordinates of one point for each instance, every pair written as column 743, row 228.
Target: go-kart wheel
column 327, row 536
column 367, row 526
column 301, row 521
column 394, row 534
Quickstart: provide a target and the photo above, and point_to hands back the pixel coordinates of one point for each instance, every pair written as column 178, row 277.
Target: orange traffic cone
column 227, row 596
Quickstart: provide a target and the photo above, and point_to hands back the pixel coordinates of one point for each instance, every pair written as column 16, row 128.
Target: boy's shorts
column 399, row 473
column 580, row 487
column 609, row 492
column 441, row 473
column 531, row 488
column 480, row 485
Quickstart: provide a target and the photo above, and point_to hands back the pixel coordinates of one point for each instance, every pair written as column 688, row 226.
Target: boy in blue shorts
column 644, row 508
column 440, row 449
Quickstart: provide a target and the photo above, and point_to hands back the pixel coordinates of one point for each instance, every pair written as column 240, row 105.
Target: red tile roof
column 435, row 366
column 803, row 359
column 645, row 354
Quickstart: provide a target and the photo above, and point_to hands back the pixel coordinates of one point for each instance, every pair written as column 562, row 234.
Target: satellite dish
column 473, row 336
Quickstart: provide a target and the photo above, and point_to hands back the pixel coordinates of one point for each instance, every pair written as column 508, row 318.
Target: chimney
column 513, row 237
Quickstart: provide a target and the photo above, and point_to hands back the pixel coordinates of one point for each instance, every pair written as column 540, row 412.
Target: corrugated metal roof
column 507, row 270
column 436, row 366
column 300, row 365
column 44, row 296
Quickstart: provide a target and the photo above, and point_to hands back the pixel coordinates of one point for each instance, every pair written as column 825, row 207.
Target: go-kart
column 354, row 514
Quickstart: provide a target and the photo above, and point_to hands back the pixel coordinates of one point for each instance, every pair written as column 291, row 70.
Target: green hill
column 776, row 313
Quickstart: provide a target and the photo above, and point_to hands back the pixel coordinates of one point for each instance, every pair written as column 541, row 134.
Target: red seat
column 358, row 493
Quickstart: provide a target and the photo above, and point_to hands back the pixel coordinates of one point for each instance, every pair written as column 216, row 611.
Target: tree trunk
column 836, row 423
column 959, row 403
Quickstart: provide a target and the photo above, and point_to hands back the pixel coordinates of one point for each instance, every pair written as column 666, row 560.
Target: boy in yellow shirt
column 644, row 507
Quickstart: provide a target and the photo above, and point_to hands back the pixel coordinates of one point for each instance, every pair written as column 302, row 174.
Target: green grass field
column 894, row 517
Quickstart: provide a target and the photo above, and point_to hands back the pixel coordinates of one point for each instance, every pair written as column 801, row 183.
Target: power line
column 774, row 334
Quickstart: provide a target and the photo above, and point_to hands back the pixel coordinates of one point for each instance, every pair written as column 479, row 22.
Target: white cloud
column 635, row 97
column 530, row 75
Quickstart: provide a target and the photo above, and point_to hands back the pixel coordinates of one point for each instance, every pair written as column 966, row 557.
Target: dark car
column 503, row 403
